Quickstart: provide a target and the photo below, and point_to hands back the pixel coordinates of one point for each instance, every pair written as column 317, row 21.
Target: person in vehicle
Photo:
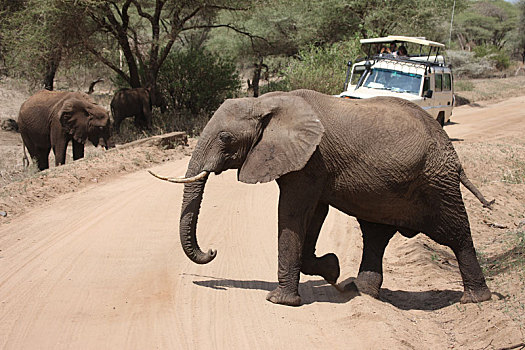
column 402, row 51
column 389, row 50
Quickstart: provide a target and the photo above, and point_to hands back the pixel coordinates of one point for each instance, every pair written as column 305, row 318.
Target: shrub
column 194, row 83
column 466, row 64
column 498, row 57
column 321, row 68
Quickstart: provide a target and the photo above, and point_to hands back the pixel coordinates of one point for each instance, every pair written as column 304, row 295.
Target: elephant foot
column 476, row 296
column 280, row 296
column 367, row 282
column 326, row 266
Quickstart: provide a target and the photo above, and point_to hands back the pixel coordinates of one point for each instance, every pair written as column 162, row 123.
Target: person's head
column 393, row 47
column 402, row 51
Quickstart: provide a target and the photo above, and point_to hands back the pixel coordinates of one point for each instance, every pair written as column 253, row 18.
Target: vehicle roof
column 400, row 38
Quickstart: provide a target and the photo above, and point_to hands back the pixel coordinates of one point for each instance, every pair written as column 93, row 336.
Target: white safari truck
column 405, row 67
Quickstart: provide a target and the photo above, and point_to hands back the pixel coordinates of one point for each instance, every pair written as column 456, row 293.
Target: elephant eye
column 226, row 137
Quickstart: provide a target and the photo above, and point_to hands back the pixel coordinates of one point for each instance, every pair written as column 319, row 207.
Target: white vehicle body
column 422, row 79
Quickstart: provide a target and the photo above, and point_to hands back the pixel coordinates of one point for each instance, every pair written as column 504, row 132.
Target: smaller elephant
column 132, row 103
column 50, row 119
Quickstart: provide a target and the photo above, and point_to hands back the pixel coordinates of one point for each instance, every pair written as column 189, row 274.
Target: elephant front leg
column 375, row 241
column 59, row 149
column 296, row 208
column 78, row 150
column 326, row 266
column 290, row 245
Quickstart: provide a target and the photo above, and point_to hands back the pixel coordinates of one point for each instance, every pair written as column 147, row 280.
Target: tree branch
column 141, row 12
column 229, row 26
column 107, row 62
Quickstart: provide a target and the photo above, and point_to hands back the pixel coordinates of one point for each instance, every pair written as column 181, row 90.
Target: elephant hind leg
column 454, row 232
column 326, row 266
column 375, row 241
column 475, row 288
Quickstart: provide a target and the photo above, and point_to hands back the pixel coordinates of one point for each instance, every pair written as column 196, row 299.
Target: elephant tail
column 466, row 182
column 25, row 160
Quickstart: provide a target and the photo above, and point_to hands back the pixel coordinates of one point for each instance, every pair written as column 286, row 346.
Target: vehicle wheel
column 441, row 118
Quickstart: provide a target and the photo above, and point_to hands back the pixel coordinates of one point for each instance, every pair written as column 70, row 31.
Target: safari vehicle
column 423, row 78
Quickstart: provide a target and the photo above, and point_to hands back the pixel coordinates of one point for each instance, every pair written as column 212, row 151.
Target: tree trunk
column 257, row 77
column 51, row 69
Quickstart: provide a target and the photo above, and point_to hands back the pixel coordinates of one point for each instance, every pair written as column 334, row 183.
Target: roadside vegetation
column 197, row 53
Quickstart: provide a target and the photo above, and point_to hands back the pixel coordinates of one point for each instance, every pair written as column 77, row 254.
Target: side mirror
column 428, row 94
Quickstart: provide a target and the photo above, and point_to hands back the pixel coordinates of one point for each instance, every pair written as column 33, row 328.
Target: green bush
column 194, row 84
column 321, row 68
column 466, row 64
column 499, row 58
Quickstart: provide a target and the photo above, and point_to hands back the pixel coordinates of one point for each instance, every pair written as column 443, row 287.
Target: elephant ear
column 74, row 119
column 291, row 133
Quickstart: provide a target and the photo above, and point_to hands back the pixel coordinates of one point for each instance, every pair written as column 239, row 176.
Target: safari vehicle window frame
column 447, row 81
column 438, row 88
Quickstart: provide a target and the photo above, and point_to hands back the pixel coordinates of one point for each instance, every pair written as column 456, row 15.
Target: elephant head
column 83, row 119
column 264, row 138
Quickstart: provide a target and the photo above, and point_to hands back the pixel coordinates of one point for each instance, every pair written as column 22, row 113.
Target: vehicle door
column 428, row 94
column 443, row 92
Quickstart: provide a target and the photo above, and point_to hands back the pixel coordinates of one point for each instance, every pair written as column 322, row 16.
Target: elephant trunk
column 191, row 204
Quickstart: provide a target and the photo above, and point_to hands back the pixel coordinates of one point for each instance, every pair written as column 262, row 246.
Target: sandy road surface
column 103, row 269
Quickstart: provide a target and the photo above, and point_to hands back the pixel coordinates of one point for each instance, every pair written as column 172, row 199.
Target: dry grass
column 476, row 90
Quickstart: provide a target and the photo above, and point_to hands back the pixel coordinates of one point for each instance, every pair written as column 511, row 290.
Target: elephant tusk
column 181, row 180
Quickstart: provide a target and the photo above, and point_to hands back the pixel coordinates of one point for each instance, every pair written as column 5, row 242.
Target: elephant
column 137, row 102
column 50, row 119
column 383, row 160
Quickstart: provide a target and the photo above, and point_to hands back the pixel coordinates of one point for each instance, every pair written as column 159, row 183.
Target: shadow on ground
column 324, row 292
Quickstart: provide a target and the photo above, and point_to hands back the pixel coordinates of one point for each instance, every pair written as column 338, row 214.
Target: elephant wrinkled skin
column 50, row 119
column 383, row 160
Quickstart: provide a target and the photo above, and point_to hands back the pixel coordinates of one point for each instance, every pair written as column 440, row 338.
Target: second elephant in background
column 136, row 103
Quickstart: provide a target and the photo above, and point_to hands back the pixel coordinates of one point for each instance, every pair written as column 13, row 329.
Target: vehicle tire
column 441, row 119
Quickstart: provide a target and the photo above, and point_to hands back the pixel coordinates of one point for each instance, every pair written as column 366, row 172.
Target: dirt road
column 103, row 269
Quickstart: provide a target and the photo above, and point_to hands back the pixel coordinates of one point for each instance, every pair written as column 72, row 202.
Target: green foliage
column 486, row 22
column 499, row 57
column 466, row 64
column 518, row 35
column 196, row 82
column 321, row 69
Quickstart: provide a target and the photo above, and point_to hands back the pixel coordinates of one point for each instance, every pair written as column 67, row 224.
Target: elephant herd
column 49, row 120
column 382, row 160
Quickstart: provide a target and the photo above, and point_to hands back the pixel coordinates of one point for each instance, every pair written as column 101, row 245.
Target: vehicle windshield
column 396, row 81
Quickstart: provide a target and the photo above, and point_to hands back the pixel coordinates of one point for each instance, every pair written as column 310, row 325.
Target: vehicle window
column 439, row 80
column 426, row 85
column 356, row 74
column 447, row 83
column 387, row 79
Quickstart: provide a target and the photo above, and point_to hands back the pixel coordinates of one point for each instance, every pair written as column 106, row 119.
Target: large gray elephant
column 136, row 103
column 50, row 119
column 383, row 160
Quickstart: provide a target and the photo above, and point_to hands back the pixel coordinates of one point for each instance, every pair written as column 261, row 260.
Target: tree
column 519, row 39
column 289, row 26
column 486, row 22
column 144, row 31
column 35, row 40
